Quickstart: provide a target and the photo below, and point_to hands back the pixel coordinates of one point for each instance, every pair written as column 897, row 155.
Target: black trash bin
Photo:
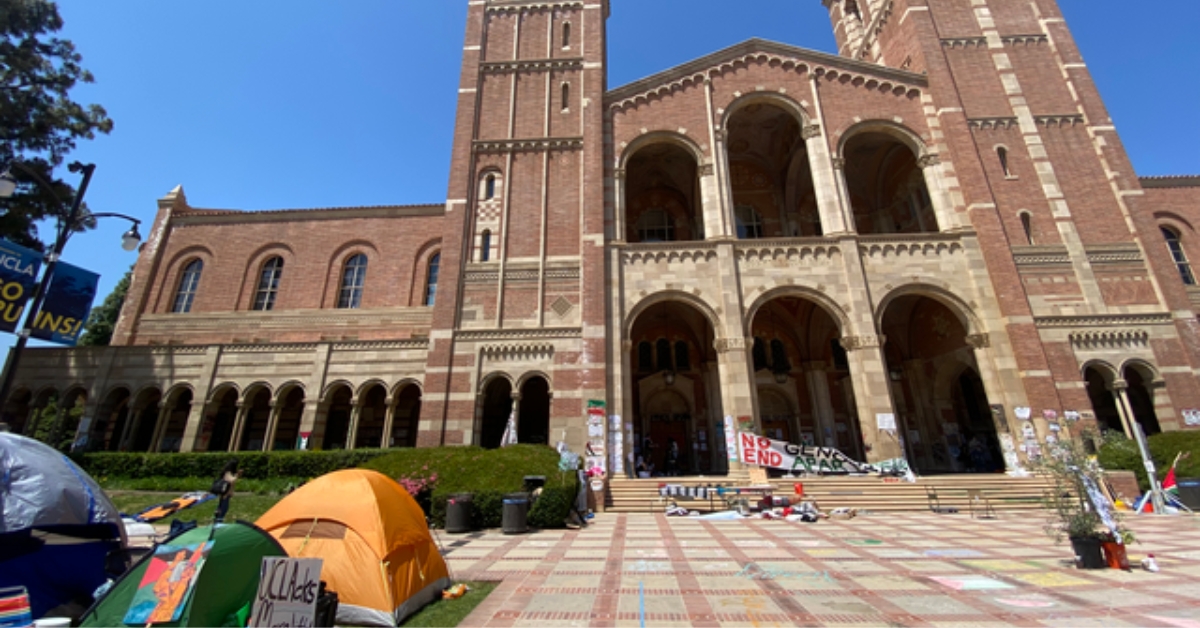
column 1189, row 492
column 515, row 518
column 458, row 513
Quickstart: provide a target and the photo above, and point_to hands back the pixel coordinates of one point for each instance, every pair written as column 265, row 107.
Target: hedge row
column 251, row 464
column 1120, row 453
column 488, row 474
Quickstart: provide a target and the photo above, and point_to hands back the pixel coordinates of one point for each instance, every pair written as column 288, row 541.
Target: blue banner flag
column 18, row 279
column 67, row 305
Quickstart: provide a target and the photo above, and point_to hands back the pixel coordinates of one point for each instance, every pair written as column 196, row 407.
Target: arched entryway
column 942, row 410
column 112, row 418
column 494, row 412
column 676, row 388
column 1098, row 379
column 1139, row 380
column 802, row 376
column 533, row 420
column 371, row 417
column 407, row 417
column 886, row 186
column 219, row 426
column 773, row 193
column 256, row 419
column 337, row 418
column 289, row 412
column 146, row 407
column 662, row 195
column 174, row 423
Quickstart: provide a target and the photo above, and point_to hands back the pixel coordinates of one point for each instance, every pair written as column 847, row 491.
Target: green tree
column 100, row 324
column 59, row 437
column 39, row 123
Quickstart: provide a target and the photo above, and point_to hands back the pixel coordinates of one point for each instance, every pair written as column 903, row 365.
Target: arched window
column 566, row 35
column 489, row 187
column 683, row 359
column 1178, row 256
column 432, row 279
column 663, row 350
column 1027, row 225
column 566, row 96
column 268, row 284
column 188, row 282
column 485, row 245
column 1002, row 154
column 645, row 357
column 655, row 226
column 749, row 223
column 353, row 277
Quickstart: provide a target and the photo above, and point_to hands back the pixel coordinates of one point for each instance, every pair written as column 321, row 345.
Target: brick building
column 939, row 224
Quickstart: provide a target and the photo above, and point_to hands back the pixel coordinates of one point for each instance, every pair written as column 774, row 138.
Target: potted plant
column 1073, row 511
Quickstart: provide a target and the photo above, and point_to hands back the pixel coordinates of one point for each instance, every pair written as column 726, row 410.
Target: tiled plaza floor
column 910, row 569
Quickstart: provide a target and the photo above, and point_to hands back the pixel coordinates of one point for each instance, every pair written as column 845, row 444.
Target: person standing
column 222, row 487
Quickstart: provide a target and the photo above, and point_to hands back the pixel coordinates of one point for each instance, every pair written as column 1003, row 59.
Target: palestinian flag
column 1169, row 487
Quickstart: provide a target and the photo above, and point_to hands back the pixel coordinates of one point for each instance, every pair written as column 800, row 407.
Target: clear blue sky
column 313, row 103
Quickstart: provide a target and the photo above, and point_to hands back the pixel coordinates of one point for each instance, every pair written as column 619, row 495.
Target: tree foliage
column 47, row 429
column 103, row 320
column 39, row 123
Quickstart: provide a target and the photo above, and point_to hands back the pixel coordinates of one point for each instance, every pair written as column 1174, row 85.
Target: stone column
column 943, row 207
column 515, row 413
column 620, row 220
column 355, row 415
column 825, row 182
column 160, row 425
column 710, row 199
column 822, row 403
column 197, row 414
column 239, row 424
column 868, row 374
column 389, row 418
column 272, row 423
column 311, row 417
column 843, row 194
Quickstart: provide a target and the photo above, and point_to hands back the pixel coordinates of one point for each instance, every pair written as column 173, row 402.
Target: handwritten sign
column 766, row 452
column 287, row 592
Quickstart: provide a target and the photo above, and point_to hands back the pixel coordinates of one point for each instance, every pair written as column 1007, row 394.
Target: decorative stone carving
column 1006, row 122
column 706, row 170
column 732, row 343
column 810, row 131
column 979, row 341
column 1112, row 339
column 854, row 343
column 838, row 163
column 524, row 351
column 925, row 161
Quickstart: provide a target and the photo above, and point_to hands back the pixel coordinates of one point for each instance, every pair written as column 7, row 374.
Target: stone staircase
column 868, row 493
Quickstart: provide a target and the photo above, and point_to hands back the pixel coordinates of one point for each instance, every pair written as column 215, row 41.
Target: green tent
column 224, row 590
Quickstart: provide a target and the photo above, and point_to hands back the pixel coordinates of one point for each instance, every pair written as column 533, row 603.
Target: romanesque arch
column 770, row 173
column 533, row 420
column 289, row 411
column 256, row 418
column 662, row 197
column 885, row 179
column 493, row 411
column 406, row 416
column 217, row 432
column 1098, row 378
column 339, row 400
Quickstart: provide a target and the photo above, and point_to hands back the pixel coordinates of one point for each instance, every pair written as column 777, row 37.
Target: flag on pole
column 1169, row 486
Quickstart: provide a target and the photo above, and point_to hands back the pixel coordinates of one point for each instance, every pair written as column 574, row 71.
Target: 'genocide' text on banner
column 18, row 278
column 67, row 305
column 777, row 454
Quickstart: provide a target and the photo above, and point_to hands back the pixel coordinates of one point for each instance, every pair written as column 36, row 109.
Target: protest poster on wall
column 616, row 444
column 731, row 447
column 766, row 452
column 18, row 279
column 596, row 446
column 287, row 592
column 67, row 305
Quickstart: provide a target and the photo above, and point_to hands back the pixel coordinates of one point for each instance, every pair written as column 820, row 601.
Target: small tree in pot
column 1073, row 513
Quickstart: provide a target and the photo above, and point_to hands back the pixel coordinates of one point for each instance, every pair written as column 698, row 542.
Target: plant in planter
column 1074, row 514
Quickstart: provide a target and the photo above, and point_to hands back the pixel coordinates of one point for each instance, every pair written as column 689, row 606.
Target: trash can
column 458, row 513
column 515, row 513
column 1189, row 492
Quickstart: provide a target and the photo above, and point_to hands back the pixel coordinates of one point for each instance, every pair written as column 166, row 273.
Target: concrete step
column 871, row 493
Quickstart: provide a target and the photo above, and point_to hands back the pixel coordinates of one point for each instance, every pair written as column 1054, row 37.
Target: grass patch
column 450, row 613
column 161, row 484
column 243, row 507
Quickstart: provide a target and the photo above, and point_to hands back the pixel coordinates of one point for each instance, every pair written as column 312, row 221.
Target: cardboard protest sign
column 167, row 583
column 287, row 592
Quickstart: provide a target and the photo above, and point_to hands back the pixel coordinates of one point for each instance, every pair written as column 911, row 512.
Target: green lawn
column 243, row 507
column 451, row 612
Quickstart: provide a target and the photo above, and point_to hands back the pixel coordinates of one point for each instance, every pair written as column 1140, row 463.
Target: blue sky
column 318, row 103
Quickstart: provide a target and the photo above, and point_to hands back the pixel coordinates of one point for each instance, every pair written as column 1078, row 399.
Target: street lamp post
column 66, row 227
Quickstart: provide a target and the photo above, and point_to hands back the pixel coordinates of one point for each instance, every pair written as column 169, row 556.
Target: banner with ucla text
column 18, row 279
column 67, row 305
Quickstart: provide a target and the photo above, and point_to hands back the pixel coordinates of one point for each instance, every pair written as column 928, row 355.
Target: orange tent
column 379, row 556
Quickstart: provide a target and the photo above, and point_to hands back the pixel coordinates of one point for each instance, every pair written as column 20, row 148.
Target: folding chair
column 935, row 505
column 978, row 500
